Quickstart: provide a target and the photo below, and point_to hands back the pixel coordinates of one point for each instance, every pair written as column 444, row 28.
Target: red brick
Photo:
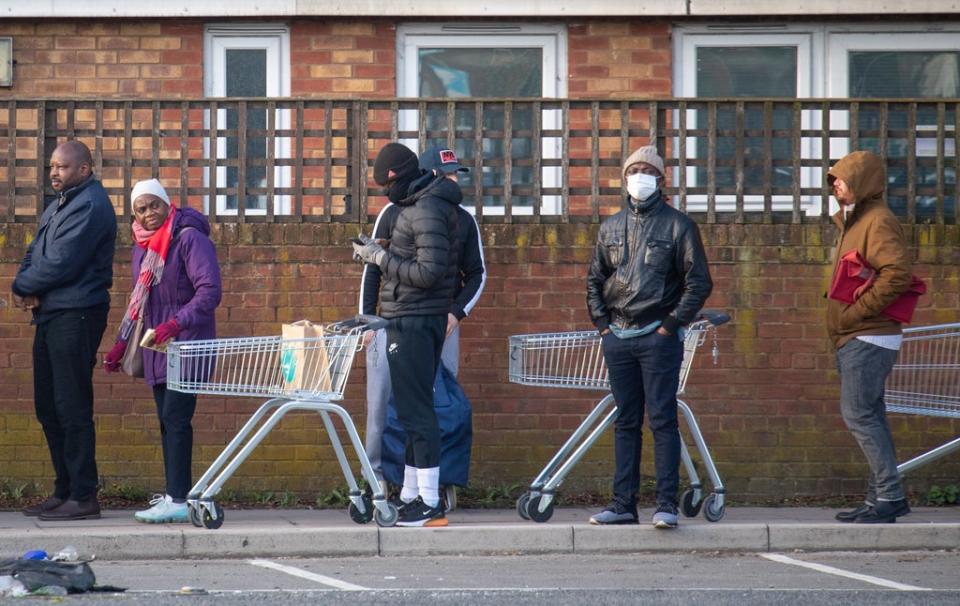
column 75, row 42
column 118, row 42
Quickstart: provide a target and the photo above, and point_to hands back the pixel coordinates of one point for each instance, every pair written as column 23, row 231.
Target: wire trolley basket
column 264, row 366
column 574, row 360
column 307, row 374
column 926, row 381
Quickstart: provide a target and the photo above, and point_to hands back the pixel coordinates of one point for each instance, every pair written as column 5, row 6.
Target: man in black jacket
column 65, row 279
column 648, row 279
column 472, row 276
column 420, row 273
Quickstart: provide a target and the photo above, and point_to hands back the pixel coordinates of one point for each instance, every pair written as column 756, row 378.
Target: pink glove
column 166, row 331
column 111, row 363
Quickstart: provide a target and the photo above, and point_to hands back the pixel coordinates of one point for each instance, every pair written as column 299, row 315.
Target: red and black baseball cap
column 441, row 159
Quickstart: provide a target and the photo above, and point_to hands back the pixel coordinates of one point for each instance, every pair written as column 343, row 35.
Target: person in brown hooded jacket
column 867, row 342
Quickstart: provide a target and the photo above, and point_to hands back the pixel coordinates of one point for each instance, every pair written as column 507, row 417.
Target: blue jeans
column 863, row 371
column 645, row 373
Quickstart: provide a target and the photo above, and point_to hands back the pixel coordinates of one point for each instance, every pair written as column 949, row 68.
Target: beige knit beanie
column 647, row 154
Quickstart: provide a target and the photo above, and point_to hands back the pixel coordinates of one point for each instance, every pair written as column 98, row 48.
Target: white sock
column 410, row 488
column 429, row 480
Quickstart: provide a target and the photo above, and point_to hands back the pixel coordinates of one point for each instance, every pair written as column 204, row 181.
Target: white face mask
column 641, row 186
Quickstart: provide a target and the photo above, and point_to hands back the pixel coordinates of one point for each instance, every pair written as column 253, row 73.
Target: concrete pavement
column 318, row 533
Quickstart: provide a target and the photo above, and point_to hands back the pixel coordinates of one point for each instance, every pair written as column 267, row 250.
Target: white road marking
column 776, row 557
column 310, row 576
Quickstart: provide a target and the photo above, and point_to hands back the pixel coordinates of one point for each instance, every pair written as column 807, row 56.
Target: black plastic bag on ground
column 75, row 577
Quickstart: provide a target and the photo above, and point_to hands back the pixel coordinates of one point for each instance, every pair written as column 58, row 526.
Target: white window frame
column 275, row 40
column 551, row 39
column 809, row 59
column 838, row 83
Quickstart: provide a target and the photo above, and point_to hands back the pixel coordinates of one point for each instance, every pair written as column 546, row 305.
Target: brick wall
column 767, row 409
column 329, row 58
column 619, row 59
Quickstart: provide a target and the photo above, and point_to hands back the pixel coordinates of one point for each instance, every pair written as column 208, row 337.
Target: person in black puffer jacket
column 470, row 282
column 420, row 273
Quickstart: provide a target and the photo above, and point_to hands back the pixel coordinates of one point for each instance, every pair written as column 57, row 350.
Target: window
column 487, row 61
column 905, row 66
column 741, row 65
column 248, row 61
column 906, row 61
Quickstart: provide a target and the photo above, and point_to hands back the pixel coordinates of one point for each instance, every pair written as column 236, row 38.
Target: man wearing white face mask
column 648, row 278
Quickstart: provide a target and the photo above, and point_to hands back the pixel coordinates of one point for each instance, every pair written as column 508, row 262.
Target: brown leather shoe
column 48, row 504
column 73, row 510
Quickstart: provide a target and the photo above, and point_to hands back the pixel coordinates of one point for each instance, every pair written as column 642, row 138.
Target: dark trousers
column 414, row 344
column 64, row 356
column 645, row 373
column 175, row 412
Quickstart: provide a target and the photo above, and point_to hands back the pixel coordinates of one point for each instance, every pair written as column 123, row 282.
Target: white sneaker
column 164, row 511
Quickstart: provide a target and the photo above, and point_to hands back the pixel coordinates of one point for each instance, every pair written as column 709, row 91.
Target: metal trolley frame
column 926, row 381
column 574, row 360
column 297, row 375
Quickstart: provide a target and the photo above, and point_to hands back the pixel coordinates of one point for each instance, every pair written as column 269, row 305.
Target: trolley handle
column 714, row 317
column 364, row 322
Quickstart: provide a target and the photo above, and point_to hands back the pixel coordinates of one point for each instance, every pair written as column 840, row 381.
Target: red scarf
column 157, row 245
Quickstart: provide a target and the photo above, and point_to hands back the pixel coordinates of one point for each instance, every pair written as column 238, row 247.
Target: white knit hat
column 150, row 186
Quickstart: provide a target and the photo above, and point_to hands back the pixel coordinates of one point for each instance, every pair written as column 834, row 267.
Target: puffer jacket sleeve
column 431, row 244
column 597, row 276
column 200, row 262
column 697, row 284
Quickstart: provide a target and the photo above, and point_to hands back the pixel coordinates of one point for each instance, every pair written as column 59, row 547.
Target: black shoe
column 73, row 510
column 884, row 512
column 48, row 504
column 853, row 514
column 417, row 513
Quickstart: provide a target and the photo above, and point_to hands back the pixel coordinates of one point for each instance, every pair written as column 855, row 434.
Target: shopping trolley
column 926, row 381
column 574, row 360
column 296, row 374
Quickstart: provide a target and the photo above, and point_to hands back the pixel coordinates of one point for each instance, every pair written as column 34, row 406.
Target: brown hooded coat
column 876, row 233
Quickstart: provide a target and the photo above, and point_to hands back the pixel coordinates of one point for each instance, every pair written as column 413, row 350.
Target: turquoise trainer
column 164, row 511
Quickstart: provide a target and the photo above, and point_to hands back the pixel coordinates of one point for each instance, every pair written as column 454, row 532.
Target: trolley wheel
column 687, row 506
column 389, row 519
column 207, row 519
column 450, row 493
column 367, row 515
column 712, row 511
column 522, row 503
column 533, row 509
column 194, row 516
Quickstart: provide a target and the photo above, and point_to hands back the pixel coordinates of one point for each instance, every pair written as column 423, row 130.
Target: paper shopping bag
column 304, row 363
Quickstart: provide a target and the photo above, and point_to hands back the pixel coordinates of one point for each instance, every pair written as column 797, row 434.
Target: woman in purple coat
column 177, row 290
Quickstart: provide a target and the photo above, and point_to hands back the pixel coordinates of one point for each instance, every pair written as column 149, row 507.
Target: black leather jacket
column 421, row 267
column 649, row 265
